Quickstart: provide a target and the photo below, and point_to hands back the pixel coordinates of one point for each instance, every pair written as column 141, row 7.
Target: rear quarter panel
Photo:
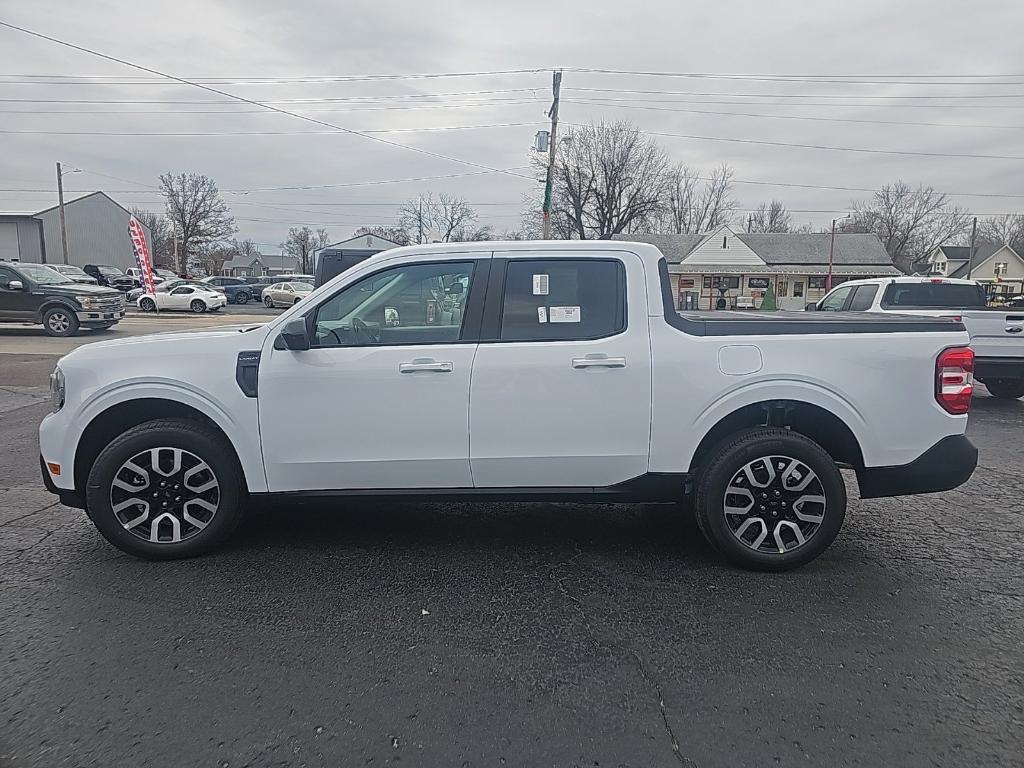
column 880, row 385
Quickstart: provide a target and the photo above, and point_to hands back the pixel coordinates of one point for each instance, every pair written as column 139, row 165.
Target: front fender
column 243, row 435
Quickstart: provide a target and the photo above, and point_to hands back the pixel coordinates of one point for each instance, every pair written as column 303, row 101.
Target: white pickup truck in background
column 530, row 370
column 997, row 335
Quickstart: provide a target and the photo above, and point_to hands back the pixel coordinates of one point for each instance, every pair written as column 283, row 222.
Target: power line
column 809, row 78
column 798, row 95
column 491, row 103
column 261, row 133
column 306, row 100
column 825, row 147
column 795, row 117
column 242, row 99
column 137, row 80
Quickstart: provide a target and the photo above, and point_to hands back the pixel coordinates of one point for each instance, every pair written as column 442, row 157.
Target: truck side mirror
column 16, row 285
column 293, row 336
column 811, row 306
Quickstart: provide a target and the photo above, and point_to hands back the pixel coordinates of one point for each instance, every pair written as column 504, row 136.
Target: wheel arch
column 51, row 303
column 113, row 418
column 813, row 421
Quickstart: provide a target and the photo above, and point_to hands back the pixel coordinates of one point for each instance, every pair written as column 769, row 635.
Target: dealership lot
column 479, row 634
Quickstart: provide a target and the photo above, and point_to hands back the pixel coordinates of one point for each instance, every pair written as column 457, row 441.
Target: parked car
column 34, row 293
column 291, row 278
column 235, row 289
column 997, row 335
column 166, row 274
column 285, row 294
column 77, row 274
column 257, row 285
column 185, row 295
column 529, row 370
column 112, row 277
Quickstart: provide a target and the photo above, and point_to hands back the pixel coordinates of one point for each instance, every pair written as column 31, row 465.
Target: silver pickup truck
column 997, row 335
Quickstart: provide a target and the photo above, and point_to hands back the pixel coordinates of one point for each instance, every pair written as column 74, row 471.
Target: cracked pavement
column 519, row 634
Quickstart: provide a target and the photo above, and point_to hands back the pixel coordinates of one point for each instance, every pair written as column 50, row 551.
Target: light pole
column 60, row 205
column 831, row 253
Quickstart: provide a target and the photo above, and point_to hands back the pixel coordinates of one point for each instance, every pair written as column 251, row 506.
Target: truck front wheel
column 166, row 489
column 770, row 499
column 1005, row 389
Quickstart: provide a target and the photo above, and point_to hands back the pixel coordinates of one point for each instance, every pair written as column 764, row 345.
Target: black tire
column 190, row 436
column 242, row 298
column 60, row 321
column 147, row 305
column 268, row 302
column 197, row 306
column 728, row 459
column 1005, row 389
column 296, row 302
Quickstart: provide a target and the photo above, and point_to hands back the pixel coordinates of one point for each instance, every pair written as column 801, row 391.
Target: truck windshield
column 41, row 275
column 945, row 295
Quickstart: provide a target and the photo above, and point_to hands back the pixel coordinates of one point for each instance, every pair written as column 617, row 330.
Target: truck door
column 561, row 389
column 381, row 399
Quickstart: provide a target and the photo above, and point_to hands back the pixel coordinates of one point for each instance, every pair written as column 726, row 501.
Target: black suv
column 34, row 293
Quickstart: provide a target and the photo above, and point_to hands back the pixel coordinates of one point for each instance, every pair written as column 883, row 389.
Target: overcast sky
column 307, row 39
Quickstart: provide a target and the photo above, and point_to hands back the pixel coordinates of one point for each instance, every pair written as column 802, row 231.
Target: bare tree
column 417, row 217
column 161, row 237
column 394, row 234
column 473, row 234
column 247, row 249
column 770, row 217
column 452, row 216
column 1003, row 230
column 211, row 258
column 694, row 204
column 609, row 178
column 301, row 244
column 909, row 221
column 197, row 213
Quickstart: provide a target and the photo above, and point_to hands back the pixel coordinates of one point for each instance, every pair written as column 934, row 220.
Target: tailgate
column 995, row 334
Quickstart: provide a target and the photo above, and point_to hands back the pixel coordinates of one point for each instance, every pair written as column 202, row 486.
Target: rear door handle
column 599, row 362
column 426, row 365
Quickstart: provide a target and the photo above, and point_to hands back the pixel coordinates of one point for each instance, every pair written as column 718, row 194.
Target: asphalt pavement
column 512, row 634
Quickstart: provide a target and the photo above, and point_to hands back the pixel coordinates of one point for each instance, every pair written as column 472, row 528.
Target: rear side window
column 563, row 299
column 943, row 295
column 863, row 298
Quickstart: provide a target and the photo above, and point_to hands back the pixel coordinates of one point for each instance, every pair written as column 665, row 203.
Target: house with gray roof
column 999, row 267
column 260, row 264
column 738, row 267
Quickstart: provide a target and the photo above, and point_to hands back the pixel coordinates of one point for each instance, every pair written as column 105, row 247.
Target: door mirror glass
column 293, row 336
column 811, row 306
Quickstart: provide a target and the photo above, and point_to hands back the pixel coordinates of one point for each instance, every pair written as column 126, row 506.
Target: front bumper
column 947, row 464
column 88, row 316
column 67, row 498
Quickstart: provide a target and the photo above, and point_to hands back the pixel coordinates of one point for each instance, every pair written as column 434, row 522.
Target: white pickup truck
column 997, row 335
column 513, row 370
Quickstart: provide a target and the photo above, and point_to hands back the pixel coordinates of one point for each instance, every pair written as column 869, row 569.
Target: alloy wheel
column 58, row 322
column 774, row 504
column 165, row 495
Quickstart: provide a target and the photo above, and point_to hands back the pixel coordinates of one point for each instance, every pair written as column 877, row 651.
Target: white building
column 999, row 267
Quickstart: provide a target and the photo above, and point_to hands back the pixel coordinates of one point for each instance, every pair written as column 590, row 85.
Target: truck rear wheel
column 166, row 489
column 1005, row 389
column 770, row 499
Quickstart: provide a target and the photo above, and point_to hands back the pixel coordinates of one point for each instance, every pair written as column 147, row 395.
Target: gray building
column 260, row 264
column 97, row 229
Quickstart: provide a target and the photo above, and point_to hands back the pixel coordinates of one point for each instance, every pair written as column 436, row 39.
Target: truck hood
column 78, row 289
column 161, row 348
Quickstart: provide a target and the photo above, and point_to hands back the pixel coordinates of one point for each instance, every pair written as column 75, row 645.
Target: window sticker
column 564, row 314
column 540, row 285
column 542, row 314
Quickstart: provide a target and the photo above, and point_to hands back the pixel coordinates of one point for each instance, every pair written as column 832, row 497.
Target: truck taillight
column 954, row 379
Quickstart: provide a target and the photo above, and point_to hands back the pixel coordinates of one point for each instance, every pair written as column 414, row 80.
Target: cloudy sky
column 939, row 78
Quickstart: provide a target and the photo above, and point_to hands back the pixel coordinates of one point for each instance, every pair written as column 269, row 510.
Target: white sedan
column 285, row 294
column 189, row 296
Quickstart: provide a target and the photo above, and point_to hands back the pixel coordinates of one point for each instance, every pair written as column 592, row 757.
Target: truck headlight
column 87, row 302
column 57, row 389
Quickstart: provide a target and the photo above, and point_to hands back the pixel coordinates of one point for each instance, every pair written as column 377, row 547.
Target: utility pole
column 63, row 224
column 177, row 264
column 970, row 253
column 831, row 255
column 556, row 89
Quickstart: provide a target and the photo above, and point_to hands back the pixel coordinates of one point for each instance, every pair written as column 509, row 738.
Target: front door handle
column 426, row 365
column 599, row 362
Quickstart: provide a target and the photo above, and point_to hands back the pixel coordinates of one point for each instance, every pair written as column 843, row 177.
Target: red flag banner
column 138, row 237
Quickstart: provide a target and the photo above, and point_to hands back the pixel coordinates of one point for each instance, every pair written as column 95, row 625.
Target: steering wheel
column 360, row 328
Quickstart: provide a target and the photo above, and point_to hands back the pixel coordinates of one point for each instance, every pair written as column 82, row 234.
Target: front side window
column 863, row 298
column 410, row 304
column 834, row 301
column 563, row 299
